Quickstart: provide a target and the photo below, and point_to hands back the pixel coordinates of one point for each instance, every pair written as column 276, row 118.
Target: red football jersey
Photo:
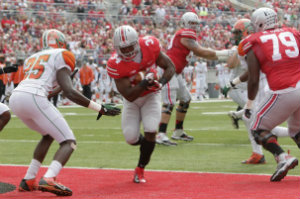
column 178, row 52
column 150, row 49
column 278, row 54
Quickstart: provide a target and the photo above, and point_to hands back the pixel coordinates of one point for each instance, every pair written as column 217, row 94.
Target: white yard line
column 124, row 143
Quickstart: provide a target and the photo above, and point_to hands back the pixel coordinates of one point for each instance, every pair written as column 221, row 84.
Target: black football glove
column 108, row 109
column 248, row 113
column 10, row 69
column 74, row 73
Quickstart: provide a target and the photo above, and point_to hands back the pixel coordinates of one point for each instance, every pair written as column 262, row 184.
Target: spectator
column 18, row 76
column 86, row 76
column 160, row 13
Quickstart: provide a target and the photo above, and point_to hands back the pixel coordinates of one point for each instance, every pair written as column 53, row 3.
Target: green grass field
column 217, row 146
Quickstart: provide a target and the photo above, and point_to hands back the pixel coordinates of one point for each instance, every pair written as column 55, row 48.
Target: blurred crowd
column 89, row 24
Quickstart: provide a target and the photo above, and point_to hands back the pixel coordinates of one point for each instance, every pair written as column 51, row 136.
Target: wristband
column 236, row 81
column 248, row 104
column 94, row 106
column 163, row 81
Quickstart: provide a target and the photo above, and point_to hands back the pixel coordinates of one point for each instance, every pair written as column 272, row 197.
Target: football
column 139, row 77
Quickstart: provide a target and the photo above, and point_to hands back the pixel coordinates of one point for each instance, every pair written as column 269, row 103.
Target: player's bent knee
column 262, row 137
column 183, row 107
column 167, row 108
column 132, row 140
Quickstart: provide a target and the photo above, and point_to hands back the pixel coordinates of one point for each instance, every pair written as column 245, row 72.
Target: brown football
column 139, row 76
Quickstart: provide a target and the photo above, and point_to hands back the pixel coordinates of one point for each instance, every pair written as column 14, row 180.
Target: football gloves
column 74, row 73
column 227, row 88
column 9, row 69
column 248, row 113
column 248, row 109
column 108, row 109
column 155, row 86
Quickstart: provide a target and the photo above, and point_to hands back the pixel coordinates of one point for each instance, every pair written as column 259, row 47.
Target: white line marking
column 123, row 142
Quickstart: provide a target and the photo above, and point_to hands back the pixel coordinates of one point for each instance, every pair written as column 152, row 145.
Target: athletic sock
column 162, row 128
column 179, row 124
column 273, row 147
column 33, row 169
column 53, row 169
column 146, row 150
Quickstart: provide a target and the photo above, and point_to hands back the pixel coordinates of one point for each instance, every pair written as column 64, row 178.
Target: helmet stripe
column 122, row 35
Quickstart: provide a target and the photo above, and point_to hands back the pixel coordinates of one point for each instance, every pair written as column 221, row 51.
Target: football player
column 238, row 92
column 4, row 110
column 43, row 71
column 140, row 90
column 275, row 52
column 181, row 45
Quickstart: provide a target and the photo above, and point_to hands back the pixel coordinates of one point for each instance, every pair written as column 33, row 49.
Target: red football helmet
column 53, row 39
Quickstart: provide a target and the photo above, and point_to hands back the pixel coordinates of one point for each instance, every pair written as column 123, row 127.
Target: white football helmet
column 53, row 38
column 126, row 42
column 190, row 20
column 264, row 19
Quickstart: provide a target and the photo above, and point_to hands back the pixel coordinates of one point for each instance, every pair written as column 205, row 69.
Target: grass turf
column 217, row 147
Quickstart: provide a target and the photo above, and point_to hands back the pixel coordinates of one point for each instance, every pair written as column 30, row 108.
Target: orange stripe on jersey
column 69, row 59
column 240, row 50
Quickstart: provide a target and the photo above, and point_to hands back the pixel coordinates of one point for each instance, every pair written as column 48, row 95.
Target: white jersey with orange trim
column 40, row 70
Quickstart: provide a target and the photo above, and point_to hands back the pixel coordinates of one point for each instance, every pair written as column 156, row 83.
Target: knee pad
column 183, row 107
column 167, row 108
column 262, row 140
column 296, row 138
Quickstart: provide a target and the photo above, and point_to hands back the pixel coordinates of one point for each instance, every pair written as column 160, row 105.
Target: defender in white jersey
column 45, row 70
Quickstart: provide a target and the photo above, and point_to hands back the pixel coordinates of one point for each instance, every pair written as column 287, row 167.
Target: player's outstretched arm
column 207, row 53
column 65, row 82
column 233, row 61
column 199, row 51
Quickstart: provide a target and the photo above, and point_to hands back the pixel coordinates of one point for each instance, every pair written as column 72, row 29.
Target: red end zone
column 117, row 184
